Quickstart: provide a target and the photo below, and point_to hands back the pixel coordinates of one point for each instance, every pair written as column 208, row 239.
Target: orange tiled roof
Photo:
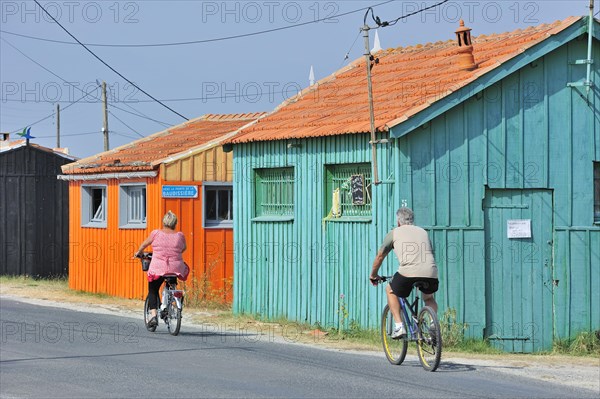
column 406, row 81
column 147, row 153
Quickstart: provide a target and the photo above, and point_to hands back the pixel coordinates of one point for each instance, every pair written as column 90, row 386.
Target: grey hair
column 405, row 215
column 170, row 220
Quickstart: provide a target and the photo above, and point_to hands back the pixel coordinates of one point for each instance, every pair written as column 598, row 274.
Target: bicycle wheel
column 148, row 315
column 394, row 349
column 173, row 317
column 429, row 344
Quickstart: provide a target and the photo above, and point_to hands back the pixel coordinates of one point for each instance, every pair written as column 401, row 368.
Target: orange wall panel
column 210, row 251
column 100, row 259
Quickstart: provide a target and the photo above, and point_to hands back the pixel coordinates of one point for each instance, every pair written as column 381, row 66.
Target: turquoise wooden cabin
column 494, row 142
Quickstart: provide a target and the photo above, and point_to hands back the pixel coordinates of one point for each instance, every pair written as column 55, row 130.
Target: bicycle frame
column 421, row 326
column 411, row 321
column 411, row 327
column 171, row 291
column 171, row 300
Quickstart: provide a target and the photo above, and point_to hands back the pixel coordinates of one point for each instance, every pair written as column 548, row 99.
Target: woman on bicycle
column 168, row 246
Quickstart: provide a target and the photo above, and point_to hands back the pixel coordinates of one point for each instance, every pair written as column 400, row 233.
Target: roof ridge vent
column 466, row 61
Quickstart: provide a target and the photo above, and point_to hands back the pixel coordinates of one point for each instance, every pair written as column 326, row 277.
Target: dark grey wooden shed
column 34, row 210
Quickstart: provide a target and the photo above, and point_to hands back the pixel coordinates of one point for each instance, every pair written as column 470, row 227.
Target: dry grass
column 58, row 290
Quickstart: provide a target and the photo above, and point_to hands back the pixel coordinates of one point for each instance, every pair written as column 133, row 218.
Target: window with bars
column 218, row 205
column 274, row 192
column 132, row 206
column 348, row 191
column 596, row 192
column 93, row 206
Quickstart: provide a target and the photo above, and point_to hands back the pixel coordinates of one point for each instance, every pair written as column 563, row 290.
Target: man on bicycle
column 417, row 264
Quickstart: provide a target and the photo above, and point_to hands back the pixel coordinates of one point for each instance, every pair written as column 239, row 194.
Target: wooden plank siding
column 527, row 131
column 34, row 227
column 210, row 165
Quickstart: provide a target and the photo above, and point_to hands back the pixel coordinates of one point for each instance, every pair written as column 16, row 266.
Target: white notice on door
column 518, row 228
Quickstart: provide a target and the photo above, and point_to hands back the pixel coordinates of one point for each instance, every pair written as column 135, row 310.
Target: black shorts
column 402, row 286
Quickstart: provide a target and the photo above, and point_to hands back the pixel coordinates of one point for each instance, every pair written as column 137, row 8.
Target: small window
column 218, row 205
column 596, row 192
column 348, row 192
column 132, row 206
column 274, row 193
column 93, row 206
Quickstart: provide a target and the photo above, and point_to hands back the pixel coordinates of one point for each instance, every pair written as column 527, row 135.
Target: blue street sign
column 180, row 191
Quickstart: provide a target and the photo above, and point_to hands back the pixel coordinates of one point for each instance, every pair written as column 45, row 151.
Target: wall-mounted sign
column 180, row 191
column 518, row 228
column 357, row 188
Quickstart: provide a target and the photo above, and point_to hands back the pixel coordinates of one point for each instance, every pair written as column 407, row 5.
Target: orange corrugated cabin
column 119, row 196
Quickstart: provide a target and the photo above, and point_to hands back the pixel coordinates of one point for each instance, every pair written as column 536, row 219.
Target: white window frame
column 89, row 217
column 127, row 207
column 216, row 224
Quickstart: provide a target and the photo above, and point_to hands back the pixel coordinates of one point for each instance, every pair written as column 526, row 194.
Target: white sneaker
column 399, row 332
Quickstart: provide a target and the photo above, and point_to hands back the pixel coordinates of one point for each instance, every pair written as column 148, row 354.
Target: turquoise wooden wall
column 527, row 131
column 291, row 269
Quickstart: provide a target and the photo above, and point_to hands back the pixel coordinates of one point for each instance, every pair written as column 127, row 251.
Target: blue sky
column 246, row 74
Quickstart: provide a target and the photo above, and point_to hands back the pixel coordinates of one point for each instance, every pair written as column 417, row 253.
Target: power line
column 395, row 21
column 144, row 115
column 53, row 113
column 108, row 66
column 347, row 55
column 41, row 66
column 86, row 134
column 16, row 100
column 85, row 94
column 140, row 115
column 67, row 135
column 72, row 85
column 199, row 41
column 123, row 134
column 125, row 124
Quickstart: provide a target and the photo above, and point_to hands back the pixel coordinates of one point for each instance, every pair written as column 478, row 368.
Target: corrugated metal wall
column 211, row 254
column 34, row 229
column 299, row 269
column 210, row 251
column 528, row 131
column 100, row 258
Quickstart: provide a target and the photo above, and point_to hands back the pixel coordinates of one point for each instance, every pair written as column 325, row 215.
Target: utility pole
column 57, row 125
column 589, row 60
column 368, row 59
column 105, row 126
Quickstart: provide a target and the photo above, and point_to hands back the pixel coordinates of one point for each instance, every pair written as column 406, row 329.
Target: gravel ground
column 581, row 372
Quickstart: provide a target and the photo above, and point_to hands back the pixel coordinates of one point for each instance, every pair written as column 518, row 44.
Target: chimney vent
column 466, row 61
column 4, row 140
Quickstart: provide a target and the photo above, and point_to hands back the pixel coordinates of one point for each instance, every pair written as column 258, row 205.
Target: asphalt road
column 49, row 352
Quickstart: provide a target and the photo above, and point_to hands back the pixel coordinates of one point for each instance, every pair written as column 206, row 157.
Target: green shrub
column 453, row 333
column 584, row 343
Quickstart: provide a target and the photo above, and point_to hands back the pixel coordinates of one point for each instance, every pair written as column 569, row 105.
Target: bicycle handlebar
column 382, row 279
column 144, row 255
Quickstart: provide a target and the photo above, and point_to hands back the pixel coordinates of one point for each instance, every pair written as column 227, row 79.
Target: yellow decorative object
column 336, row 210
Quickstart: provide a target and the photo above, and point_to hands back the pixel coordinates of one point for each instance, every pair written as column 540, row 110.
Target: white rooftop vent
column 376, row 43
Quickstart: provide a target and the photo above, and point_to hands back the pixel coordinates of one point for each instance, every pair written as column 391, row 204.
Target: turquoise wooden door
column 519, row 269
